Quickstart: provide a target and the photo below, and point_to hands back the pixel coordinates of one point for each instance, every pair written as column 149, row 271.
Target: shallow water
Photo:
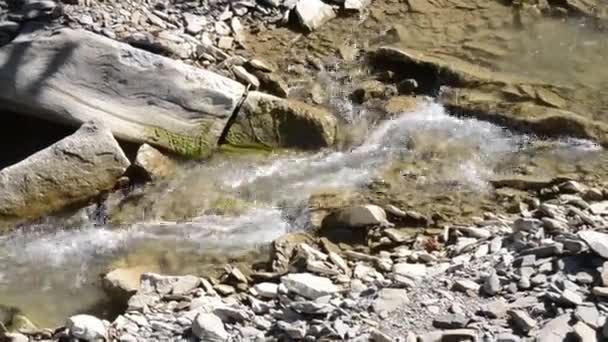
column 51, row 273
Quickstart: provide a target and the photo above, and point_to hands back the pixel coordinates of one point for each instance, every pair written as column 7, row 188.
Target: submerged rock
column 72, row 171
column 72, row 76
column 267, row 121
column 122, row 283
column 153, row 163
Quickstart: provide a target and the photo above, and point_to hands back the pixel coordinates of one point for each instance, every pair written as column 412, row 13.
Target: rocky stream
column 278, row 170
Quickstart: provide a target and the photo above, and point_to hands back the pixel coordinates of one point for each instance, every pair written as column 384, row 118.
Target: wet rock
column 308, row 285
column 389, row 300
column 598, row 242
column 153, row 163
column 209, row 327
column 122, row 283
column 401, row 104
column 70, row 171
column 368, row 90
column 86, row 327
column 271, row 122
column 313, row 13
column 356, row 217
column 122, row 86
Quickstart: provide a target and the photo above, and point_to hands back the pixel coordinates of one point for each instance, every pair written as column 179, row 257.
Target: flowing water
column 51, row 270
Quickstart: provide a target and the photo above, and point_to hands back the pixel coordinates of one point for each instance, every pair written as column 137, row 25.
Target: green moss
column 194, row 145
column 245, row 148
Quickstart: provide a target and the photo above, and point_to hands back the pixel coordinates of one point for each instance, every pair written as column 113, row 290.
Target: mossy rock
column 269, row 122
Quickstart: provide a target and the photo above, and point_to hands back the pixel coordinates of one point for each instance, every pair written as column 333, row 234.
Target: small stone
column 466, row 285
column 495, row 309
column 453, row 321
column 209, row 327
column 266, row 290
column 588, row 314
column 585, row 278
column 225, row 43
column 524, row 283
column 478, row 233
column 507, row 337
column 340, row 262
column 522, row 320
column 194, row 23
column 571, row 298
column 14, row 337
column 357, row 217
column 604, row 274
column 295, row 330
column 584, row 332
column 555, row 330
column 600, row 291
column 185, row 284
column 412, row 271
column 389, row 300
column 308, row 285
column 356, row 5
column 224, row 290
column 313, row 13
column 86, row 327
column 598, row 242
column 260, row 65
column 546, row 250
column 492, row 284
column 245, row 77
column 378, row 336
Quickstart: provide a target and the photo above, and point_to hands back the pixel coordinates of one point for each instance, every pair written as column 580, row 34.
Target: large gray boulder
column 68, row 172
column 72, row 76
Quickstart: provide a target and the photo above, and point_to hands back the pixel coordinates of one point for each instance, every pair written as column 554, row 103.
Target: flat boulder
column 69, row 172
column 72, row 76
column 269, row 122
